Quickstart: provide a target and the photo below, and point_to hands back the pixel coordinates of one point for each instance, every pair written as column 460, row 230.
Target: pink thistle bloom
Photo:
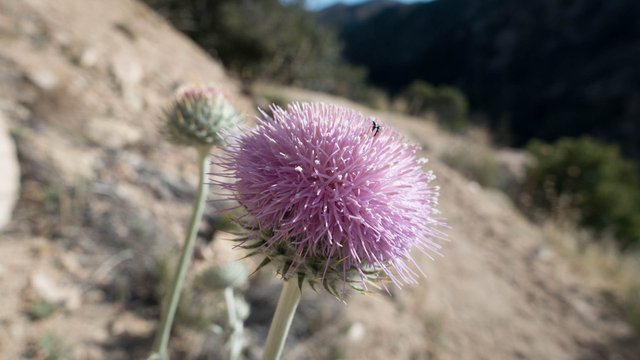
column 332, row 195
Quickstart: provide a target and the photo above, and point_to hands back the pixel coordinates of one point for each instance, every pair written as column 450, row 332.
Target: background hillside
column 542, row 68
column 103, row 201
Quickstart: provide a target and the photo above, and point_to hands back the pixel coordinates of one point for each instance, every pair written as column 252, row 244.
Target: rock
column 543, row 253
column 131, row 325
column 10, row 179
column 356, row 332
column 127, row 71
column 45, row 80
column 111, row 134
column 46, row 289
column 71, row 264
column 81, row 54
column 89, row 57
column 69, row 161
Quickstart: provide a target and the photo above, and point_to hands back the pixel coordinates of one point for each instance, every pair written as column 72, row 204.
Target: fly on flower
column 375, row 128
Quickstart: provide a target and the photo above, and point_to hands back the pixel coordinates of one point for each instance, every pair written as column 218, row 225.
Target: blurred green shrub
column 40, row 309
column 50, row 347
column 590, row 177
column 480, row 164
column 195, row 310
column 480, row 167
column 630, row 305
column 448, row 103
column 269, row 40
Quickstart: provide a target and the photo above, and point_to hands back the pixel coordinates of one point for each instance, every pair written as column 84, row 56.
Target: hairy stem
column 160, row 349
column 281, row 322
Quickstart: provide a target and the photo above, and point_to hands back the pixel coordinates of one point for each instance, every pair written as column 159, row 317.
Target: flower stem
column 281, row 322
column 161, row 344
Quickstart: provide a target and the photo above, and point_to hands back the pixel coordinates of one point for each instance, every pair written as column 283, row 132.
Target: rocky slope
column 82, row 86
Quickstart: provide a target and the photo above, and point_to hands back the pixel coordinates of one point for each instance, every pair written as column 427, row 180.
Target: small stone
column 474, row 187
column 111, row 134
column 46, row 289
column 356, row 332
column 127, row 71
column 133, row 99
column 89, row 57
column 131, row 325
column 44, row 79
column 543, row 253
column 91, row 352
column 10, row 179
column 71, row 264
column 62, row 38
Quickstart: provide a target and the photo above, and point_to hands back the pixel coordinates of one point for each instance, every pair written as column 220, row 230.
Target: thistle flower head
column 333, row 196
column 199, row 115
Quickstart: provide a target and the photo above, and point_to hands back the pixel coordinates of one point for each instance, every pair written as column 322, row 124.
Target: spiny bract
column 199, row 116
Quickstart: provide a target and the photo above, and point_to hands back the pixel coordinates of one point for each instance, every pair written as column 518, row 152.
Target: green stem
column 161, row 344
column 281, row 322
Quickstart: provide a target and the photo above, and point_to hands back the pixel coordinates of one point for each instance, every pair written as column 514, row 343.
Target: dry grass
column 601, row 263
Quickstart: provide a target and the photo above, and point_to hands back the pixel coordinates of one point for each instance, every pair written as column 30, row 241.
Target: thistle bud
column 199, row 115
column 232, row 274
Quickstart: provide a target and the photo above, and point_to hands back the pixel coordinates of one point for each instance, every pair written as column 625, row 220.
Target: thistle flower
column 198, row 116
column 333, row 196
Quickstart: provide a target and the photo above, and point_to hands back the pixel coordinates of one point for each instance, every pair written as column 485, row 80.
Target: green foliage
column 52, row 197
column 40, row 309
column 196, row 310
column 448, row 103
column 276, row 99
column 266, row 39
column 52, row 347
column 594, row 180
column 630, row 305
column 479, row 166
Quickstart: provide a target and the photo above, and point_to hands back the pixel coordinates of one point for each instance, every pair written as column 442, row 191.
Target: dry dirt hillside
column 103, row 196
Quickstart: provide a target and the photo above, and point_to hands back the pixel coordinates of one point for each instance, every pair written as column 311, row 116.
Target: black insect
column 376, row 128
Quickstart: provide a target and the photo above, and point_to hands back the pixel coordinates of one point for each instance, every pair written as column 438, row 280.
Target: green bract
column 198, row 117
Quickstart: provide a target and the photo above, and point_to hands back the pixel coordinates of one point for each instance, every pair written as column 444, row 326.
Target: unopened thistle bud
column 199, row 115
column 232, row 274
column 333, row 197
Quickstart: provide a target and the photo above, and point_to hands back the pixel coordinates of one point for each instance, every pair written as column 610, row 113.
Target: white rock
column 127, row 71
column 89, row 57
column 9, row 174
column 44, row 79
column 45, row 288
column 543, row 253
column 111, row 133
column 132, row 325
column 356, row 332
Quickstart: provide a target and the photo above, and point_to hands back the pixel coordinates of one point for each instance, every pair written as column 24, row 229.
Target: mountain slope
column 83, row 85
column 545, row 68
